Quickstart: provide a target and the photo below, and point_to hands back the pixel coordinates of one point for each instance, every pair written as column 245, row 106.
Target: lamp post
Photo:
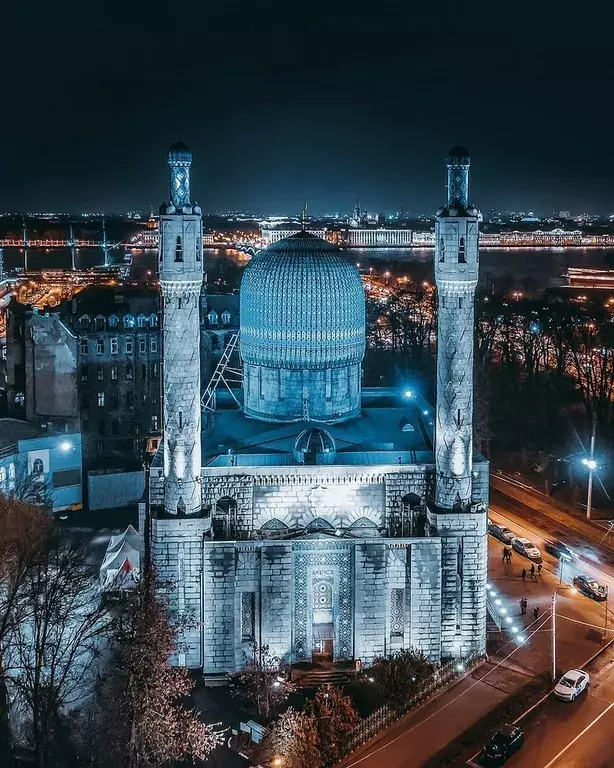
column 592, row 466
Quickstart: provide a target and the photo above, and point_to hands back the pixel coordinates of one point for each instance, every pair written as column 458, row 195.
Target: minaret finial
column 179, row 161
column 303, row 217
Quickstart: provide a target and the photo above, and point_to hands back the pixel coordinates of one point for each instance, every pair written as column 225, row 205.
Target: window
column 154, row 370
column 113, row 373
column 114, row 346
column 460, row 302
column 180, row 420
column 115, row 427
column 2, row 475
column 100, row 346
column 84, row 323
column 129, row 399
column 153, row 344
column 179, row 303
column 20, row 399
column 101, row 399
column 141, row 321
column 83, row 373
column 442, row 250
column 113, row 321
column 83, row 344
column 461, row 252
column 226, row 317
column 11, row 476
column 153, row 320
column 101, row 426
column 114, row 400
column 99, row 323
column 129, row 372
column 129, row 321
column 143, row 370
column 178, row 249
column 212, row 316
column 129, row 346
column 64, row 478
column 100, row 375
column 154, row 423
column 100, row 446
column 142, row 346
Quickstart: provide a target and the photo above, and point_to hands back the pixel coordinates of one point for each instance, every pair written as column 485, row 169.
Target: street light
column 592, row 466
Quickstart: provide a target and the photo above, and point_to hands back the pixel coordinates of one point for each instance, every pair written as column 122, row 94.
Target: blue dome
column 302, row 307
column 315, row 446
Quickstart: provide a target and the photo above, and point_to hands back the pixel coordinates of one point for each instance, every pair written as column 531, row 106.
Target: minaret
column 181, row 277
column 456, row 275
column 461, row 487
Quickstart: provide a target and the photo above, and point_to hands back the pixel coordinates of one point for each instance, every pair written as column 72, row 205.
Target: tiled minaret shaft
column 456, row 275
column 181, row 277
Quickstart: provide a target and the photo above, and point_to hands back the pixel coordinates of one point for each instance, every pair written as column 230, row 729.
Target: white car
column 571, row 685
column 527, row 548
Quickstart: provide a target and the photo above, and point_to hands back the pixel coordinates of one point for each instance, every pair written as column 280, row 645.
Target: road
column 580, row 622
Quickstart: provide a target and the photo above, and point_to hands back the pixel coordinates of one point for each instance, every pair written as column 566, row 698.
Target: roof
column 376, row 437
column 14, row 430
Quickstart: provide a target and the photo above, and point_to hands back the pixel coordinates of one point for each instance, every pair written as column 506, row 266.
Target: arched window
column 461, row 252
column 153, row 320
column 442, row 250
column 212, row 317
column 38, row 468
column 226, row 317
column 320, row 524
column 84, row 322
column 178, row 249
column 129, row 321
column 274, row 525
column 141, row 321
column 113, row 321
column 99, row 323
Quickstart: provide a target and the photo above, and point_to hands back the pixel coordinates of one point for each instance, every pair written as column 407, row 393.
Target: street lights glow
column 65, row 445
column 408, row 393
column 590, row 463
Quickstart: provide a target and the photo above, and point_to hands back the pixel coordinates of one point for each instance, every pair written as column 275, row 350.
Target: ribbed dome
column 302, row 307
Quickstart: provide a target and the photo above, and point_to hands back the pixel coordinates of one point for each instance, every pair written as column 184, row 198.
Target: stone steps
column 318, row 677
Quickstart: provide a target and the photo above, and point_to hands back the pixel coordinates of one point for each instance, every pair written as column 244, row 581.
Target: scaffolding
column 224, row 373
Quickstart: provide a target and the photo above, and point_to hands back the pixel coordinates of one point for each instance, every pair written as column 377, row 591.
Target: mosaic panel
column 309, row 562
column 397, row 612
column 247, row 616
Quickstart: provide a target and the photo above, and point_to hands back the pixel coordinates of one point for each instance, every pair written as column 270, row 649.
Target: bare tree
column 54, row 654
column 140, row 718
column 23, row 531
column 262, row 684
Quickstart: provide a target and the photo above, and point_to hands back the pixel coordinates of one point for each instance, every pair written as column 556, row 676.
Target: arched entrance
column 323, row 628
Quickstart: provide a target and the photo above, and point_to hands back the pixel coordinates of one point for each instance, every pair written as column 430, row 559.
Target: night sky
column 324, row 102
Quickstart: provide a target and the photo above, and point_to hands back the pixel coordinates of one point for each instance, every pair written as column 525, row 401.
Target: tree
column 262, row 683
column 53, row 653
column 140, row 718
column 292, row 742
column 400, row 674
column 23, row 531
column 335, row 717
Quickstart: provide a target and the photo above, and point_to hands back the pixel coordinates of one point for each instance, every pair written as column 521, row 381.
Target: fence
column 385, row 716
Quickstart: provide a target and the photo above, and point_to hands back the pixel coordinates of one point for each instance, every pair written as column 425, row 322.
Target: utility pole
column 554, row 594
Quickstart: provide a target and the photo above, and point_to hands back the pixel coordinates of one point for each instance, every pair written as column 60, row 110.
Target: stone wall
column 177, row 553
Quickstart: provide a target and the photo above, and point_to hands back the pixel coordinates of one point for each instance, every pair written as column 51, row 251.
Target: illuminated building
column 326, row 522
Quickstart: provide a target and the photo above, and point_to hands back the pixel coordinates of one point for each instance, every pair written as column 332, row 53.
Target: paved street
column 580, row 623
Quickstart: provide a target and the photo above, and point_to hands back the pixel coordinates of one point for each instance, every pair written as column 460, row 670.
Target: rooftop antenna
column 303, row 216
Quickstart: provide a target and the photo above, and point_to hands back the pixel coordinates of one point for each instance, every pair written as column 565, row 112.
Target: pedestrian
column 536, row 612
column 539, row 569
column 524, row 605
column 504, row 558
column 524, row 574
column 509, row 555
column 521, row 601
column 532, row 570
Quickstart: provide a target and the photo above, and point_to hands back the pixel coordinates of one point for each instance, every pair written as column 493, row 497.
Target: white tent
column 121, row 567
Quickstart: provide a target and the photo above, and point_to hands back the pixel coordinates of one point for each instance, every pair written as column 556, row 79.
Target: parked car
column 504, row 742
column 590, row 587
column 571, row 685
column 559, row 549
column 527, row 548
column 501, row 532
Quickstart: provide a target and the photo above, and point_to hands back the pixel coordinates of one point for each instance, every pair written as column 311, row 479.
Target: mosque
column 325, row 521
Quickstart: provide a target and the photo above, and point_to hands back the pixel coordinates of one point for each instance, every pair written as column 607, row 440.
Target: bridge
column 48, row 244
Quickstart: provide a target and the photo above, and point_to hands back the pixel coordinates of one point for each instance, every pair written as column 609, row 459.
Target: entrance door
column 323, row 643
